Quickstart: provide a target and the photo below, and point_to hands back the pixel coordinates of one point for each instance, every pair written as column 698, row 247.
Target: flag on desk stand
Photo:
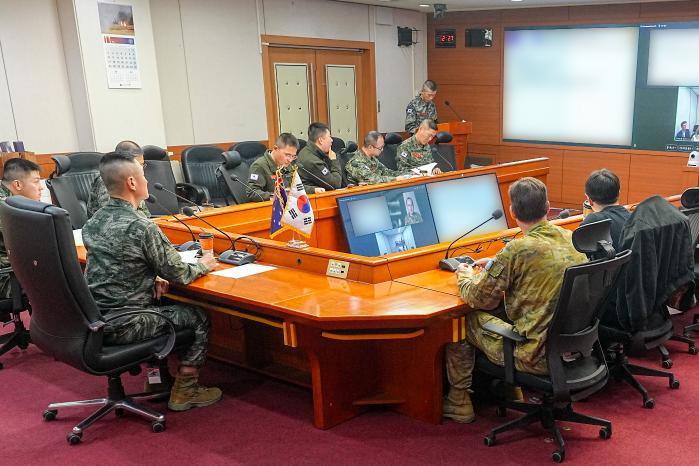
column 298, row 214
column 278, row 205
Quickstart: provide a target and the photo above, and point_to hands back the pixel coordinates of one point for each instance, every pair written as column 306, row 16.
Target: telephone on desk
column 234, row 257
column 452, row 263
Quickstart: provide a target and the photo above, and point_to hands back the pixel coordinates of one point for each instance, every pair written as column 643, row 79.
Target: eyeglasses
column 379, row 147
column 289, row 155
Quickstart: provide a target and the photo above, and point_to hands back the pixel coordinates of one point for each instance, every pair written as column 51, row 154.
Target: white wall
column 37, row 83
column 210, row 64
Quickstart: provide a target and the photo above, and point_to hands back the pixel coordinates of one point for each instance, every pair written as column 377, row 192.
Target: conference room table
column 373, row 338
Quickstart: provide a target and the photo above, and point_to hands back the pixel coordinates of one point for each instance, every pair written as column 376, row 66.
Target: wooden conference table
column 375, row 337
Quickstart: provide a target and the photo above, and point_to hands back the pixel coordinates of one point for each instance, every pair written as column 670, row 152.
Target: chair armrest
column 169, row 345
column 5, row 270
column 195, row 193
column 509, row 338
column 19, row 302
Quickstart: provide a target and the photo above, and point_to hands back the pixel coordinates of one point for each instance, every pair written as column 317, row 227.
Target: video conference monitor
column 387, row 221
column 461, row 204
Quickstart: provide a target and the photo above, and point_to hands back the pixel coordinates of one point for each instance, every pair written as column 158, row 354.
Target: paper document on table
column 424, row 169
column 78, row 237
column 243, row 270
column 189, row 257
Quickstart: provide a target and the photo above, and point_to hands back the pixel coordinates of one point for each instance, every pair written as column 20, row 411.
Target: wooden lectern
column 460, row 130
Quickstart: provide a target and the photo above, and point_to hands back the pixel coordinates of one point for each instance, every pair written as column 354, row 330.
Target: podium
column 460, row 130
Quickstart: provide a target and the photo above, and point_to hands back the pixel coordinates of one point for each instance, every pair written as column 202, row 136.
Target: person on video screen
column 413, row 216
column 684, row 132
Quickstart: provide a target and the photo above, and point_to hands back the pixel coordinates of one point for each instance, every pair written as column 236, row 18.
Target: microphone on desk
column 235, row 178
column 327, row 185
column 229, row 256
column 187, row 245
column 446, row 102
column 444, row 159
column 565, row 213
column 446, row 263
column 160, row 187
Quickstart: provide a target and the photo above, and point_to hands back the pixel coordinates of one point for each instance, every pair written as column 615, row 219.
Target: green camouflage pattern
column 263, row 174
column 412, row 219
column 125, row 252
column 418, row 110
column 526, row 277
column 412, row 154
column 99, row 197
column 362, row 169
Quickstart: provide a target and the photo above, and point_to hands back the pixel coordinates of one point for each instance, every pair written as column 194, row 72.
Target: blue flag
column 278, row 206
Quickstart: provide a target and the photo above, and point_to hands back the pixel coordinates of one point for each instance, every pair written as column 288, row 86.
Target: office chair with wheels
column 443, row 153
column 576, row 363
column 10, row 313
column 690, row 207
column 66, row 323
column 388, row 155
column 158, row 169
column 199, row 164
column 71, row 181
column 337, row 145
column 249, row 151
column 154, row 153
column 233, row 168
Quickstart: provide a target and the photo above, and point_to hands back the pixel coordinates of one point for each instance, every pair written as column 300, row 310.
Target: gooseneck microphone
column 187, row 245
column 235, row 178
column 327, row 185
column 444, row 263
column 189, row 212
column 160, row 187
column 446, row 102
column 565, row 213
column 444, row 159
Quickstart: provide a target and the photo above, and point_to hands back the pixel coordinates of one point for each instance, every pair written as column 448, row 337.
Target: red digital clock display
column 445, row 38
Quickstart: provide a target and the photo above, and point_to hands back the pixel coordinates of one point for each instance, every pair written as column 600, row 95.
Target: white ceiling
column 465, row 5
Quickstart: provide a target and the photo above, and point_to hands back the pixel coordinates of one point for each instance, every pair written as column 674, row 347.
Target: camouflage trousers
column 130, row 329
column 461, row 357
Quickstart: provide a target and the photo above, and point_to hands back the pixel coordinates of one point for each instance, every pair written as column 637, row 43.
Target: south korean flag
column 298, row 214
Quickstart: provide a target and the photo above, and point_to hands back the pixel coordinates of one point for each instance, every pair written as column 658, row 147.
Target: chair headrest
column 302, row 143
column 155, row 153
column 338, row 144
column 231, row 159
column 199, row 154
column 392, row 139
column 351, row 147
column 444, row 136
column 24, row 203
column 62, row 164
column 690, row 198
column 594, row 238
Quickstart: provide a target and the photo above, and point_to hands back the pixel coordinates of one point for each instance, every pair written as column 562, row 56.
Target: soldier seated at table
column 528, row 273
column 364, row 166
column 416, row 150
column 126, row 257
column 276, row 161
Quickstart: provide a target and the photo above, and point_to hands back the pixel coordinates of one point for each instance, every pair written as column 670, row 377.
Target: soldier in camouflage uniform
column 263, row 171
column 526, row 276
column 416, row 150
column 98, row 192
column 126, row 257
column 364, row 167
column 20, row 178
column 412, row 217
column 421, row 107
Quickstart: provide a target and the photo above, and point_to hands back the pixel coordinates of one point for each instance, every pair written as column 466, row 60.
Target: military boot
column 457, row 406
column 187, row 393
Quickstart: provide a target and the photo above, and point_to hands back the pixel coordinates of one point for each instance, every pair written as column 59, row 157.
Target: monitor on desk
column 462, row 203
column 383, row 222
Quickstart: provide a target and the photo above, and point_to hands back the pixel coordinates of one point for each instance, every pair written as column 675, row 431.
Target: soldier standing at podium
column 421, row 107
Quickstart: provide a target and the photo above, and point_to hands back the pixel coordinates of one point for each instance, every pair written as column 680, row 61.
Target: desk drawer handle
column 372, row 336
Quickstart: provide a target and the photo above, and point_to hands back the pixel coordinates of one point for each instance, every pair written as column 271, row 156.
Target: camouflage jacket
column 318, row 166
column 411, row 154
column 263, row 174
column 4, row 260
column 362, row 169
column 125, row 252
column 417, row 111
column 99, row 197
column 413, row 219
column 529, row 273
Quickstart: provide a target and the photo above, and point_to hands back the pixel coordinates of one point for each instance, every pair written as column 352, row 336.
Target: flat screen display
column 388, row 221
column 460, row 204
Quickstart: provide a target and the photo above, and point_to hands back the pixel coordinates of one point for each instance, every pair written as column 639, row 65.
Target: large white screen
column 570, row 85
column 672, row 57
column 369, row 215
column 461, row 204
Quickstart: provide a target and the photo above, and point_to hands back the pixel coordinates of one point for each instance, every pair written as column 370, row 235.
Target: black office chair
column 66, row 323
column 11, row 313
column 443, row 153
column 158, row 169
column 388, row 155
column 154, row 153
column 234, row 173
column 249, row 150
column 71, row 181
column 344, row 156
column 337, row 145
column 690, row 207
column 576, row 363
column 199, row 164
column 302, row 143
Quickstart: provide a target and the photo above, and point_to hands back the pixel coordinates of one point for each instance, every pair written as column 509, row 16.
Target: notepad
column 189, row 257
column 243, row 270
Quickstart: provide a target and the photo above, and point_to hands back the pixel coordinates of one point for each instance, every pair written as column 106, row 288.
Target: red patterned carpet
column 261, row 421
